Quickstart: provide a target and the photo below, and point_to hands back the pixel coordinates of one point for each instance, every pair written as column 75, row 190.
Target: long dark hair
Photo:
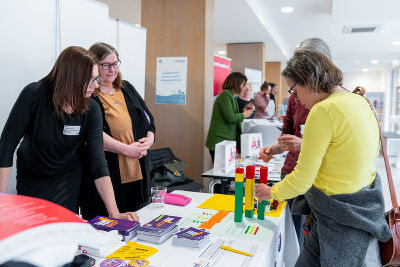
column 101, row 50
column 69, row 79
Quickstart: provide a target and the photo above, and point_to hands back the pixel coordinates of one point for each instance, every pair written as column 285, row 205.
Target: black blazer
column 142, row 122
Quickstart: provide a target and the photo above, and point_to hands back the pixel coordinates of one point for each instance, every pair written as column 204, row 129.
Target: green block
column 238, row 216
column 249, row 213
column 261, row 209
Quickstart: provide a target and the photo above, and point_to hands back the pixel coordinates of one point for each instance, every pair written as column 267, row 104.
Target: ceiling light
column 396, row 43
column 222, row 52
column 137, row 25
column 375, row 61
column 364, row 70
column 287, row 9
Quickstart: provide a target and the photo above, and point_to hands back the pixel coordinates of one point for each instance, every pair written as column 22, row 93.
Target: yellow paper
column 133, row 251
column 227, row 203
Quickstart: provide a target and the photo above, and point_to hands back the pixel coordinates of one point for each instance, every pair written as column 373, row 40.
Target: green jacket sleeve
column 229, row 113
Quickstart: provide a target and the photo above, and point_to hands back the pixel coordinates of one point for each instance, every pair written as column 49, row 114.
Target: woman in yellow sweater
column 335, row 169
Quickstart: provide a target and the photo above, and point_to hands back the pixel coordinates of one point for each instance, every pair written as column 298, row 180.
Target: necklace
column 112, row 95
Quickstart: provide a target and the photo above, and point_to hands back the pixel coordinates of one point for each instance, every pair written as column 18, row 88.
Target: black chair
column 165, row 155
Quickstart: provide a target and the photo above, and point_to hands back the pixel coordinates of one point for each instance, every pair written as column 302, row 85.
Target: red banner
column 222, row 68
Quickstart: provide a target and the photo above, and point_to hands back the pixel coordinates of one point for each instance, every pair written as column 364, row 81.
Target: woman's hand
column 247, row 112
column 147, row 141
column 267, row 153
column 290, row 142
column 263, row 192
column 130, row 216
column 135, row 150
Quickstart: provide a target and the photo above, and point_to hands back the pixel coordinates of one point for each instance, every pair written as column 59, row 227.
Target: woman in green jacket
column 226, row 117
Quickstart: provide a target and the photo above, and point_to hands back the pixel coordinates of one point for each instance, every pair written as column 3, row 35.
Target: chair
column 165, row 155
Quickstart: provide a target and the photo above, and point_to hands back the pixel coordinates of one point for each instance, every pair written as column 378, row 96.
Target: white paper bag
column 224, row 158
column 251, row 144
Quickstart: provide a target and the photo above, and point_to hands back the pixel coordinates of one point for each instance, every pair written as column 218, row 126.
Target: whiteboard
column 82, row 23
column 255, row 78
column 28, row 50
column 132, row 52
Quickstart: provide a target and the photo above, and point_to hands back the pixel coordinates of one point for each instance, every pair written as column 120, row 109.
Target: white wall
column 373, row 81
column 127, row 10
column 36, row 31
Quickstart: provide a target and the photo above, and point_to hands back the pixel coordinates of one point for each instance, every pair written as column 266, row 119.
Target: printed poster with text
column 222, row 68
column 171, row 80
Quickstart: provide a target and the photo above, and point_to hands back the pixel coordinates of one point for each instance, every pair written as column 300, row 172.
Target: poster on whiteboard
column 254, row 77
column 171, row 79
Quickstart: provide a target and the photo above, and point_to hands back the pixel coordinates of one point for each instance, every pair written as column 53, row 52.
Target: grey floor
column 380, row 168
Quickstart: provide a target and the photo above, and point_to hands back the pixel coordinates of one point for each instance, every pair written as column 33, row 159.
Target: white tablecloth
column 281, row 248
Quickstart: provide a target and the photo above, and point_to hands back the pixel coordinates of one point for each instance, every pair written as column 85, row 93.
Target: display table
column 274, row 172
column 280, row 247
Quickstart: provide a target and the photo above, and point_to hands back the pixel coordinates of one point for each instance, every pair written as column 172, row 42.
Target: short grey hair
column 315, row 44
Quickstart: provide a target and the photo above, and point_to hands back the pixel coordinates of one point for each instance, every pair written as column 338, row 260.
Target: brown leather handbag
column 390, row 250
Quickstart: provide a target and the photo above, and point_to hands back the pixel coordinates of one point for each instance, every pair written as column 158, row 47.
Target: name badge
column 71, row 130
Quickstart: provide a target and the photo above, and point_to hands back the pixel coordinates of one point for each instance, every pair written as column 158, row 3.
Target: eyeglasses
column 97, row 79
column 293, row 92
column 106, row 66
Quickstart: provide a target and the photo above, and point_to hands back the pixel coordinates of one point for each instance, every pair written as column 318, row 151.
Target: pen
column 236, row 251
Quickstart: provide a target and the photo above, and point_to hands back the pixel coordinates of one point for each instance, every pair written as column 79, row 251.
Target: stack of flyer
column 191, row 237
column 127, row 229
column 159, row 229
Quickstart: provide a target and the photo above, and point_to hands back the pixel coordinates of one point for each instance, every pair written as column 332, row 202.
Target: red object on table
column 275, row 204
column 239, row 170
column 263, row 175
column 250, row 172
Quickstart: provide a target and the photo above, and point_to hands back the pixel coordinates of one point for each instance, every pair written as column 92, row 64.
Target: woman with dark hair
column 226, row 117
column 261, row 100
column 335, row 170
column 54, row 117
column 128, row 133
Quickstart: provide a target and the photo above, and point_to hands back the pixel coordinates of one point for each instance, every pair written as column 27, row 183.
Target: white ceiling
column 242, row 21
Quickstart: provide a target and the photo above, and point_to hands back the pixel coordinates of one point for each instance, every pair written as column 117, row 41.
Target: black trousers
column 212, row 153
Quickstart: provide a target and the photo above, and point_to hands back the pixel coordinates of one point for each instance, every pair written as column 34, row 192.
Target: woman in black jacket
column 128, row 132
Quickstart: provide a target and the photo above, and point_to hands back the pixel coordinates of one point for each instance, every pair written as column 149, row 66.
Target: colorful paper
column 227, row 203
column 133, row 251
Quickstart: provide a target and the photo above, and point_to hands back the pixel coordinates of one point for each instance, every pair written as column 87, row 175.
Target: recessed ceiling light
column 222, row 52
column 137, row 25
column 364, row 70
column 396, row 43
column 375, row 61
column 287, row 9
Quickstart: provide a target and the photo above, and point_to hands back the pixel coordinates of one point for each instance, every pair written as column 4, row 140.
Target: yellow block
column 227, row 203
